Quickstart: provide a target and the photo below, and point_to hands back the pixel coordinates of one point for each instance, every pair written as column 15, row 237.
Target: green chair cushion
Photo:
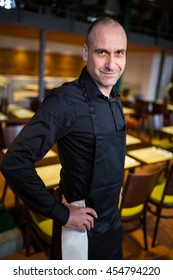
column 7, row 222
column 44, row 224
column 157, row 192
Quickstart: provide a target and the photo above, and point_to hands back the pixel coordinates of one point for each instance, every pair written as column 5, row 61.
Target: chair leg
column 56, row 249
column 28, row 239
column 145, row 232
column 4, row 191
column 16, row 206
column 156, row 227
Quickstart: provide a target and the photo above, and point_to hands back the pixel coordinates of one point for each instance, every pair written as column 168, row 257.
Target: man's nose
column 111, row 62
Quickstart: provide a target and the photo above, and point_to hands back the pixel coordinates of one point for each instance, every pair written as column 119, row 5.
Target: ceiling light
column 91, row 19
column 7, row 4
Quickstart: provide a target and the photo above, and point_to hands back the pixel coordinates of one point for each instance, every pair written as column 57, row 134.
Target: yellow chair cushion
column 163, row 144
column 132, row 211
column 157, row 192
column 44, row 224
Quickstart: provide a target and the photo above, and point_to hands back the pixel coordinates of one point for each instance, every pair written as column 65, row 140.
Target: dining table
column 133, row 143
column 130, row 140
column 3, row 117
column 150, row 155
column 15, row 114
column 167, row 130
column 131, row 163
column 50, row 174
column 170, row 107
column 128, row 111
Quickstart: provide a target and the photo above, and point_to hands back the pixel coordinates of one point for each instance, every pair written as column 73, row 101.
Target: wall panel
column 21, row 62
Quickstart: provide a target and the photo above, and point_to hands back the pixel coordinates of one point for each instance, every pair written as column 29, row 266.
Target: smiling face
column 105, row 53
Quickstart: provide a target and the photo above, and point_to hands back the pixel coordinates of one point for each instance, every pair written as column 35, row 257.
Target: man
column 85, row 119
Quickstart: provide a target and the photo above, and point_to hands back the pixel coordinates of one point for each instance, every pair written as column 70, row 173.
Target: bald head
column 105, row 21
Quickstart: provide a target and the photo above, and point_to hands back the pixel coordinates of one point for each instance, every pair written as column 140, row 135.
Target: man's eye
column 120, row 52
column 101, row 53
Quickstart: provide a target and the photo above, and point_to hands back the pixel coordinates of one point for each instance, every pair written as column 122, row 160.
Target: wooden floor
column 132, row 244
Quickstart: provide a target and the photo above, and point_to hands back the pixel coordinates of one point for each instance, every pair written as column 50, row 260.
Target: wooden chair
column 151, row 116
column 133, row 202
column 137, row 121
column 156, row 119
column 9, row 134
column 40, row 229
column 45, row 232
column 161, row 198
column 141, row 108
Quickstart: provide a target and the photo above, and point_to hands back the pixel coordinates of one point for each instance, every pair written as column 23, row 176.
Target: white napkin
column 74, row 242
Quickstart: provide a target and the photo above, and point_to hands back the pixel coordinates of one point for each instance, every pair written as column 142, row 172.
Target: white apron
column 74, row 243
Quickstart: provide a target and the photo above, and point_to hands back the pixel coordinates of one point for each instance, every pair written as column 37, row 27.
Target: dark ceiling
column 153, row 17
column 150, row 17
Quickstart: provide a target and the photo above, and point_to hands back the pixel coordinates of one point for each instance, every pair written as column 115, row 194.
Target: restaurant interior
column 41, row 48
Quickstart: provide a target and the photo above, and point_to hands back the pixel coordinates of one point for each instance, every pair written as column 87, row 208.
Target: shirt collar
column 92, row 89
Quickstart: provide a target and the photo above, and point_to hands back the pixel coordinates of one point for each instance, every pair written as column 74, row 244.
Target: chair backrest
column 168, row 190
column 157, row 115
column 159, row 108
column 141, row 106
column 137, row 188
column 10, row 132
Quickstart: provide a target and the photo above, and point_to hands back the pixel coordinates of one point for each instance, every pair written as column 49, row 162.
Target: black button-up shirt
column 63, row 118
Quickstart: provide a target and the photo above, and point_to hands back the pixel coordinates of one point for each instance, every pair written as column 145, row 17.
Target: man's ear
column 85, row 53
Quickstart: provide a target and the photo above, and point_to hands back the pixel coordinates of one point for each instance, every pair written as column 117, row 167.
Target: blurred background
column 41, row 45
